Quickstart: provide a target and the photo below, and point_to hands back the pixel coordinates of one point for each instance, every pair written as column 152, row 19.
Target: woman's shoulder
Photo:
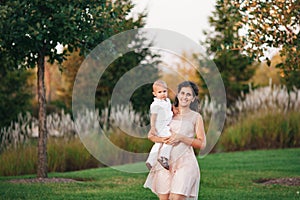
column 196, row 115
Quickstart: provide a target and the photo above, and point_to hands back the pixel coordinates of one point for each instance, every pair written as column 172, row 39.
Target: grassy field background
column 223, row 176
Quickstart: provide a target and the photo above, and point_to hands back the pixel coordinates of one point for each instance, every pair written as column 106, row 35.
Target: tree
column 141, row 98
column 31, row 30
column 69, row 68
column 183, row 67
column 15, row 94
column 273, row 24
column 265, row 74
column 140, row 55
column 235, row 68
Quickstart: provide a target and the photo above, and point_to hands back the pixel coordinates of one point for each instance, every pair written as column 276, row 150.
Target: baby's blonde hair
column 159, row 83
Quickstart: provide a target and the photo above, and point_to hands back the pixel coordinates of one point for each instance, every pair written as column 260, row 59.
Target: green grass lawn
column 223, row 176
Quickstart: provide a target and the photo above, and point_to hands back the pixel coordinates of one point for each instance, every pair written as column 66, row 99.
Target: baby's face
column 160, row 92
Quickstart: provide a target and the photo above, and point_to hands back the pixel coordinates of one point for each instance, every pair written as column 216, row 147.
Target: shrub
column 15, row 91
column 62, row 156
column 18, row 161
column 128, row 130
column 25, row 128
column 267, row 117
column 65, row 150
column 263, row 130
column 272, row 98
column 69, row 156
column 129, row 143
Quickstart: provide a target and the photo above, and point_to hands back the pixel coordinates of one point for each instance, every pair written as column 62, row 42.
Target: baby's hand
column 175, row 110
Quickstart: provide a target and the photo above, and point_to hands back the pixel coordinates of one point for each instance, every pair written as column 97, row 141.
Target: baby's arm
column 152, row 135
column 153, row 118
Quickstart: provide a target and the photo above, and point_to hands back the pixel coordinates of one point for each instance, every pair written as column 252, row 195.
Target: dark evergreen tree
column 139, row 56
column 15, row 94
column 235, row 67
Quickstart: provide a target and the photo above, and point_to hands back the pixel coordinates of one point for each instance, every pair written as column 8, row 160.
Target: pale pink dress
column 184, row 174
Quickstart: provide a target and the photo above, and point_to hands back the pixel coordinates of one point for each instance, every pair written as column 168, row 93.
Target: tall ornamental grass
column 62, row 156
column 65, row 151
column 267, row 117
column 263, row 131
column 25, row 128
column 270, row 99
column 128, row 130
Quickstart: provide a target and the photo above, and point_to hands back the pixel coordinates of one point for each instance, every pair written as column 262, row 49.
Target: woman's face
column 185, row 97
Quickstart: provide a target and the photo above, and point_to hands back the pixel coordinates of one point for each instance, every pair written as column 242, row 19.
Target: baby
column 161, row 116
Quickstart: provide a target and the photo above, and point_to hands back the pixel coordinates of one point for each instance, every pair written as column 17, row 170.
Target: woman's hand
column 174, row 139
column 154, row 138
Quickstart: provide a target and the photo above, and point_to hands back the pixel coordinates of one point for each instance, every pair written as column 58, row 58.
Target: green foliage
column 129, row 143
column 62, row 156
column 142, row 96
column 30, row 29
column 69, row 70
column 18, row 161
column 273, row 24
column 235, row 71
column 235, row 68
column 69, row 156
column 15, row 94
column 262, row 131
column 292, row 77
column 226, row 176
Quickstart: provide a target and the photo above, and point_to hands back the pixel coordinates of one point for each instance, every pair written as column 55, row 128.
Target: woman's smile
column 185, row 96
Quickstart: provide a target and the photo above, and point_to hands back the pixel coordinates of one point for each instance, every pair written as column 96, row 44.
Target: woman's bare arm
column 199, row 142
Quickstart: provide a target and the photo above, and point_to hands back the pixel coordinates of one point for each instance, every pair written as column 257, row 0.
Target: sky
column 188, row 17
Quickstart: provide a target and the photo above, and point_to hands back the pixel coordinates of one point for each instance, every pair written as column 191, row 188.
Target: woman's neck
column 184, row 110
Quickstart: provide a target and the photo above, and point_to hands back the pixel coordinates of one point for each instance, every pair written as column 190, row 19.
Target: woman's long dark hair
column 194, row 104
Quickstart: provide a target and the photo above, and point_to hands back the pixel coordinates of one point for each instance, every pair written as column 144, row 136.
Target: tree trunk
column 42, row 168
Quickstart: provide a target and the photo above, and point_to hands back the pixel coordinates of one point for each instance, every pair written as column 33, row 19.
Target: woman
column 182, row 179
